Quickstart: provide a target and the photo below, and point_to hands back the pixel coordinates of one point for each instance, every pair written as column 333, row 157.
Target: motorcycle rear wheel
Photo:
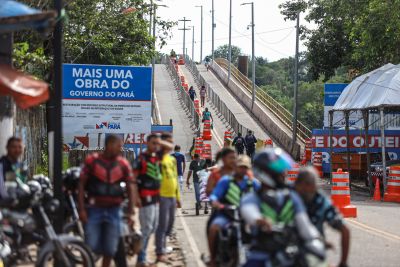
column 76, row 251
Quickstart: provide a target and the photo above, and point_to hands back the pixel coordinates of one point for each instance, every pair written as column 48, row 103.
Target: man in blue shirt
column 229, row 191
column 321, row 210
column 180, row 164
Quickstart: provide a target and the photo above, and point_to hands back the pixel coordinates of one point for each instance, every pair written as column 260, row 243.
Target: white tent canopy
column 376, row 89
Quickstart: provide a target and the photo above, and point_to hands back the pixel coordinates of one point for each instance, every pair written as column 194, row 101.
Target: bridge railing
column 183, row 94
column 215, row 99
column 273, row 106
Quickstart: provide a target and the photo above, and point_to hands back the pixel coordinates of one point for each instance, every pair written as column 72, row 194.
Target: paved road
column 231, row 102
column 375, row 233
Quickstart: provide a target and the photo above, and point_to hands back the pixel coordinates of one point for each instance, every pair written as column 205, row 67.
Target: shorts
column 103, row 229
column 221, row 220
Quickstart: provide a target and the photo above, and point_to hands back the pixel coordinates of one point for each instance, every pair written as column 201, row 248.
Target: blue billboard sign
column 106, row 82
column 332, row 92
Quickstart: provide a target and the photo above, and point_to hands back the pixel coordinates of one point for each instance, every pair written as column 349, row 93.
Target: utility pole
column 253, row 58
column 7, row 109
column 193, row 44
column 230, row 41
column 56, row 108
column 296, row 82
column 153, row 60
column 184, row 34
column 151, row 16
column 201, row 35
column 213, row 28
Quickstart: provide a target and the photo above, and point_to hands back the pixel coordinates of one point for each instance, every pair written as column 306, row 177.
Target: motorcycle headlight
column 379, row 169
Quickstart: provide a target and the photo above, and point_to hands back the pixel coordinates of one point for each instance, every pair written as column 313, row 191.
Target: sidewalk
column 241, row 114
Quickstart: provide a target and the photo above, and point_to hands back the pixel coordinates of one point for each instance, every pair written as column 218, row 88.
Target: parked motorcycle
column 5, row 249
column 26, row 221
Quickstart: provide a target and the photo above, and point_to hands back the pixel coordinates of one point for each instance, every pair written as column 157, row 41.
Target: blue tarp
column 9, row 9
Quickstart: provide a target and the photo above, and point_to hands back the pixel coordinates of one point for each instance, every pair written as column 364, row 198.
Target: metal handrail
column 273, row 106
column 184, row 95
column 220, row 105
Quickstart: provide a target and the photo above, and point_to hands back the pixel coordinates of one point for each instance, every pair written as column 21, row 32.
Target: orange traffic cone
column 377, row 193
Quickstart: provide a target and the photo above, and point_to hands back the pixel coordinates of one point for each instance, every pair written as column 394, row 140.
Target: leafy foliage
column 223, row 51
column 276, row 78
column 359, row 35
column 95, row 32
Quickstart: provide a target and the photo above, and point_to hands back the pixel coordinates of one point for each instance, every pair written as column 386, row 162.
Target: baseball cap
column 244, row 161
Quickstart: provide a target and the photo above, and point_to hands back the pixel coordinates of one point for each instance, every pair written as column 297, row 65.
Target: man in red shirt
column 100, row 197
column 228, row 157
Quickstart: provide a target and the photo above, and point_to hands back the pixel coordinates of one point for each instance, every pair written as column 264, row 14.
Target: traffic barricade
column 340, row 194
column 198, row 146
column 317, row 163
column 228, row 135
column 268, row 143
column 207, row 130
column 308, row 150
column 292, row 174
column 392, row 193
column 197, row 106
column 207, row 152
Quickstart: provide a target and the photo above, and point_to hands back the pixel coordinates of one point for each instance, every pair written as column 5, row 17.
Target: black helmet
column 270, row 164
column 71, row 178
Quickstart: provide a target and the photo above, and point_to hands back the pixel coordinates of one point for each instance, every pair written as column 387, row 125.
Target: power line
column 277, row 42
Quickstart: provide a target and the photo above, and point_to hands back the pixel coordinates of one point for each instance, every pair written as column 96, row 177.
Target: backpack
column 250, row 140
column 239, row 142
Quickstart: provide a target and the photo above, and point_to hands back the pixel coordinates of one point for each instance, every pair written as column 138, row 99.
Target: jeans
column 102, row 230
column 180, row 180
column 148, row 218
column 203, row 99
column 165, row 223
column 196, row 186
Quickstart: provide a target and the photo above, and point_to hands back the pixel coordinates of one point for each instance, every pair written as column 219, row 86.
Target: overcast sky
column 275, row 38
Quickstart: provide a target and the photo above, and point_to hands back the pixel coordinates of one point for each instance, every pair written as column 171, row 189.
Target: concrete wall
column 278, row 131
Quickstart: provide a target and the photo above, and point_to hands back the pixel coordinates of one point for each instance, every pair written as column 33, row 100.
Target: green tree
column 95, row 32
column 358, row 35
column 223, row 50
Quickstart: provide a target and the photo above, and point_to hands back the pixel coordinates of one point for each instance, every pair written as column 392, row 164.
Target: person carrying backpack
column 251, row 142
column 239, row 143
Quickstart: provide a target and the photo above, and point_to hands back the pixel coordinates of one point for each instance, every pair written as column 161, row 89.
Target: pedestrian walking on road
column 192, row 93
column 196, row 165
column 180, row 164
column 147, row 170
column 251, row 142
column 101, row 212
column 239, row 143
column 207, row 115
column 169, row 197
column 203, row 94
column 10, row 165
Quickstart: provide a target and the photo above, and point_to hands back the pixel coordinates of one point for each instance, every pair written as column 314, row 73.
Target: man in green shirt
column 207, row 115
